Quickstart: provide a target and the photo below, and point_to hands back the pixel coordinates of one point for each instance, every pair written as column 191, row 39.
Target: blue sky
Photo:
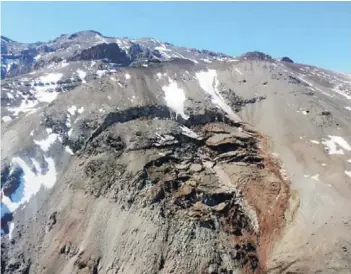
column 316, row 33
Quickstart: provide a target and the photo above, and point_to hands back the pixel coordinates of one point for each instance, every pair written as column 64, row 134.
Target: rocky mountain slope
column 138, row 156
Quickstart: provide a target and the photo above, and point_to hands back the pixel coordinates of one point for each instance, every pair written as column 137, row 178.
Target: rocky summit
column 139, row 156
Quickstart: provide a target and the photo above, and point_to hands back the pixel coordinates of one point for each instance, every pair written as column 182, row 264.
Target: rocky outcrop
column 256, row 55
column 111, row 52
column 286, row 59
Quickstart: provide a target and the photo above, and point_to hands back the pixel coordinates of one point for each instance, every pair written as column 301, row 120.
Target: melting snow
column 159, row 75
column 127, row 76
column 10, row 96
column 209, row 83
column 175, row 98
column 206, row 60
column 64, row 64
column 341, row 92
column 6, row 119
column 25, row 106
column 101, row 73
column 336, row 144
column 314, row 142
column 162, row 48
column 30, row 182
column 42, row 94
column 69, row 150
column 72, row 109
column 238, row 71
column 80, row 110
column 348, row 108
column 70, row 132
column 46, row 143
column 11, row 228
column 315, row 177
column 82, row 74
column 51, row 77
column 188, row 132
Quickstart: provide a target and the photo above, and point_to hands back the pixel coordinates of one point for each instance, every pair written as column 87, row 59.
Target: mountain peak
column 5, row 39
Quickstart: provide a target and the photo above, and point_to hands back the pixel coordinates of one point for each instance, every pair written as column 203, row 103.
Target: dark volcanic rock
column 112, row 52
column 287, row 59
column 256, row 55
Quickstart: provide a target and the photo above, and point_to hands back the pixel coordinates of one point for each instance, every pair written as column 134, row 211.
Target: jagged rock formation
column 137, row 156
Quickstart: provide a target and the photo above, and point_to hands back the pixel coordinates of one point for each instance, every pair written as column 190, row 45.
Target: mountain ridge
column 120, row 156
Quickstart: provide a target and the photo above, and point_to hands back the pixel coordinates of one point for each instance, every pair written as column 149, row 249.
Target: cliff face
column 142, row 157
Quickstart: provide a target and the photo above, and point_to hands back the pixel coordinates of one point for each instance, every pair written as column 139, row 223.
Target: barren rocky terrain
column 138, row 156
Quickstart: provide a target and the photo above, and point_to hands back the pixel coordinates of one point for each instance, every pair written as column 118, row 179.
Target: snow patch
column 69, row 150
column 25, row 106
column 51, row 77
column 6, row 119
column 238, row 71
column 82, row 74
column 175, row 98
column 348, row 173
column 127, row 75
column 188, row 132
column 336, row 144
column 209, row 83
column 348, row 108
column 314, row 142
column 159, row 75
column 72, row 110
column 101, row 73
column 10, row 96
column 30, row 183
column 341, row 92
column 162, row 48
column 80, row 110
column 48, row 142
column 206, row 60
column 315, row 177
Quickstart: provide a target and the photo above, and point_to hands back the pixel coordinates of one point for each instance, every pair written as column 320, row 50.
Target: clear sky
column 316, row 33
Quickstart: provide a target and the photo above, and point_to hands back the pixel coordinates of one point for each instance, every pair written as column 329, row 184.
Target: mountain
column 137, row 156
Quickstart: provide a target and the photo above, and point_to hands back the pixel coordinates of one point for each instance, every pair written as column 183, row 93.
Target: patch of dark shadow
column 6, row 219
column 326, row 113
column 251, row 159
column 161, row 112
column 222, row 148
column 185, row 197
column 234, row 220
column 208, row 223
column 5, row 172
column 214, row 199
column 12, row 183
